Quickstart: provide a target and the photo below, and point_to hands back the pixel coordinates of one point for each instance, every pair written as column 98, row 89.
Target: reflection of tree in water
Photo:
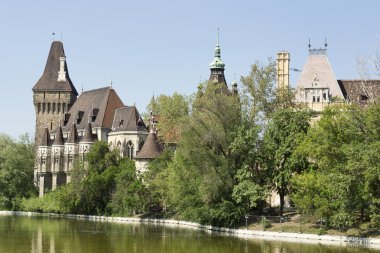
column 55, row 235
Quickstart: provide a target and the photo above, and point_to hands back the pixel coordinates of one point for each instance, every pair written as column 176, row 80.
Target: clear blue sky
column 166, row 46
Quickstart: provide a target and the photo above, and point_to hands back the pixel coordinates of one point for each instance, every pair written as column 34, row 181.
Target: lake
column 53, row 234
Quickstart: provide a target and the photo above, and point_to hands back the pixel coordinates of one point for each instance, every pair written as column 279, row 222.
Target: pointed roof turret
column 58, row 136
column 151, row 148
column 73, row 135
column 217, row 66
column 45, row 138
column 56, row 75
column 87, row 137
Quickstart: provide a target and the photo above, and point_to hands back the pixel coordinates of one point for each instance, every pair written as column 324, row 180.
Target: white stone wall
column 120, row 140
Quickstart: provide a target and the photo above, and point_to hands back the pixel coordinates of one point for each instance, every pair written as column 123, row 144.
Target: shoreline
column 345, row 241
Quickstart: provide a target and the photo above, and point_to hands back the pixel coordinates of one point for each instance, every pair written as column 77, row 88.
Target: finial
column 111, row 83
column 309, row 44
column 217, row 40
column 52, row 36
column 61, row 37
column 82, row 88
column 325, row 42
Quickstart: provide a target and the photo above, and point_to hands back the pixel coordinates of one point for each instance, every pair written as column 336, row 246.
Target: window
column 363, row 98
column 130, row 149
column 318, row 99
column 71, row 159
column 56, row 160
column 43, row 161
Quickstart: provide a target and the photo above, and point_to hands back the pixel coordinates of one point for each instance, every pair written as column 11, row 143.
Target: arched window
column 130, row 149
column 118, row 146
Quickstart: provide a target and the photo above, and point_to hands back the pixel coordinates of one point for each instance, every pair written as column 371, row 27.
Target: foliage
column 200, row 177
column 286, row 129
column 156, row 179
column 260, row 95
column 265, row 223
column 171, row 111
column 130, row 194
column 344, row 150
column 16, row 171
column 106, row 184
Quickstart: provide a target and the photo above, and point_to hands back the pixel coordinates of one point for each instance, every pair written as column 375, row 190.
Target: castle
column 67, row 125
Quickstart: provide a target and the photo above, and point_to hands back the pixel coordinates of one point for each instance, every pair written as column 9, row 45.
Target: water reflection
column 55, row 235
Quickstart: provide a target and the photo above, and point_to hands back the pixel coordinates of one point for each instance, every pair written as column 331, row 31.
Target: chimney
column 62, row 72
column 283, row 59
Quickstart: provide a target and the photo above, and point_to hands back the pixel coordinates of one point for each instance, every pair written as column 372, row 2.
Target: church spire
column 217, row 65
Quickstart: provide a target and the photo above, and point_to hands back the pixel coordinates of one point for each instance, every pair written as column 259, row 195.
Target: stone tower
column 54, row 93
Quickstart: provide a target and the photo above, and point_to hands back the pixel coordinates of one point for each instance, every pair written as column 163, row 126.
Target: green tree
column 16, row 171
column 261, row 97
column 343, row 148
column 202, row 173
column 286, row 129
column 171, row 111
column 130, row 195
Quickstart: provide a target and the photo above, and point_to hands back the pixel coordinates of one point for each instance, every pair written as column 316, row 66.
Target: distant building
column 67, row 125
column 318, row 87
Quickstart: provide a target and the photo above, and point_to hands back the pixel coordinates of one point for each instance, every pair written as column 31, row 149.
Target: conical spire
column 59, row 136
column 45, row 138
column 151, row 148
column 87, row 137
column 56, row 75
column 73, row 135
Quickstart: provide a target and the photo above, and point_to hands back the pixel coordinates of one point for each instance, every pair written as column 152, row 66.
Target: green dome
column 217, row 62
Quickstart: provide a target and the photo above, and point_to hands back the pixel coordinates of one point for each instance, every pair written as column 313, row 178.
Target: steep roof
column 58, row 137
column 45, row 138
column 317, row 67
column 151, row 148
column 97, row 105
column 360, row 91
column 128, row 119
column 49, row 79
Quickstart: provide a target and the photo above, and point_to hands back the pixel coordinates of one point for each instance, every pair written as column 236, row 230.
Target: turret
column 87, row 140
column 57, row 159
column 44, row 162
column 149, row 151
column 71, row 149
column 217, row 66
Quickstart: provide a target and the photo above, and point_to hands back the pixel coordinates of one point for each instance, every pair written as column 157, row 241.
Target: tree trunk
column 282, row 202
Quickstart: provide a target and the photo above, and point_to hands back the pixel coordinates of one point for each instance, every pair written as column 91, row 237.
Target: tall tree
column 285, row 131
column 16, row 171
column 202, row 173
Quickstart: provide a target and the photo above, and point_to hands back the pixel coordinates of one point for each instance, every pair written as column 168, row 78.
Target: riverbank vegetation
column 16, row 171
column 234, row 151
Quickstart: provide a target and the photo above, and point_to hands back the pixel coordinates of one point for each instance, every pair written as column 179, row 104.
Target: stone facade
column 67, row 126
